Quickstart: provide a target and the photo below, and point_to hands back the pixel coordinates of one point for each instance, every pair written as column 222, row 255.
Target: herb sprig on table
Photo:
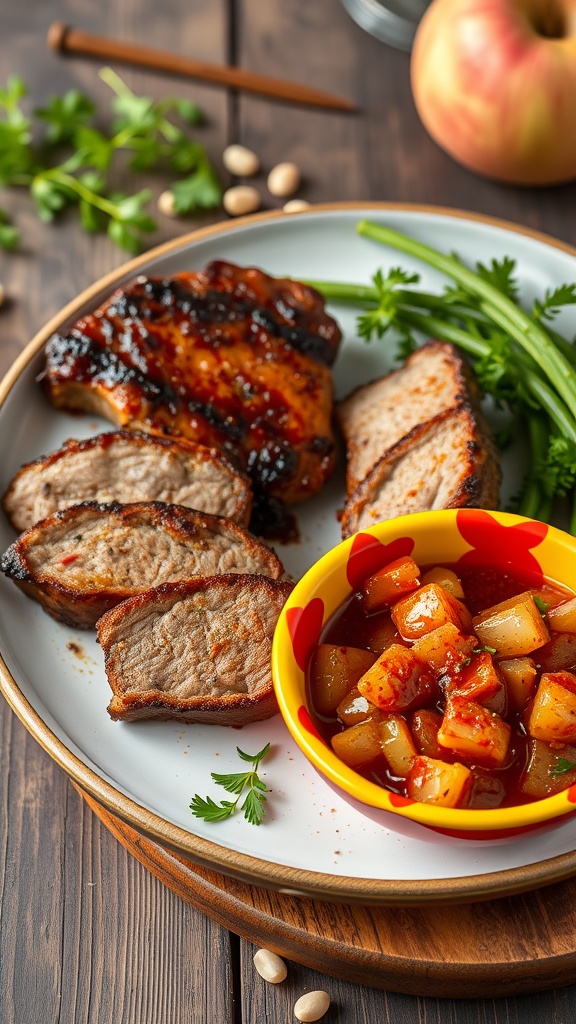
column 70, row 165
column 526, row 366
column 248, row 783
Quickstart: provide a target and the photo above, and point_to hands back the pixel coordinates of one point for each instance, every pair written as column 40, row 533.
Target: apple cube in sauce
column 520, row 678
column 424, row 725
column 428, row 608
column 559, row 654
column 387, row 585
column 397, row 744
column 398, row 679
column 359, row 744
column 444, row 648
column 436, row 782
column 474, row 733
column 482, row 682
column 383, row 632
column 514, row 627
column 550, row 769
column 335, row 671
column 562, row 618
column 553, row 714
column 445, row 578
column 354, row 708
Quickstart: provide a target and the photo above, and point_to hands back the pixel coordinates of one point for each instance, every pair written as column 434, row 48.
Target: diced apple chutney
column 454, row 688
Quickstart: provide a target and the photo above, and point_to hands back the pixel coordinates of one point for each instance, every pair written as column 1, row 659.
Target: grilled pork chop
column 82, row 561
column 227, row 356
column 447, row 462
column 128, row 466
column 198, row 650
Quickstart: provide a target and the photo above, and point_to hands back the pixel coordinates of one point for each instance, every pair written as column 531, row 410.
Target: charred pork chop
column 82, row 561
column 198, row 650
column 227, row 356
column 128, row 466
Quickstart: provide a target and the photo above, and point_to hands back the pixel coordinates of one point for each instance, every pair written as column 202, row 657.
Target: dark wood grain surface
column 87, row 934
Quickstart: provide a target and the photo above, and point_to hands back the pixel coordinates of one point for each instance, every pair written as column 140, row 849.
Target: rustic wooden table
column 88, row 934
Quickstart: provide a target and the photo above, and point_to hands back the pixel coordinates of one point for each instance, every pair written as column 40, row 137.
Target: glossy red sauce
column 352, row 626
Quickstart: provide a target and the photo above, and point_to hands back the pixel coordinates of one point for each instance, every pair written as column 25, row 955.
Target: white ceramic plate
column 313, row 840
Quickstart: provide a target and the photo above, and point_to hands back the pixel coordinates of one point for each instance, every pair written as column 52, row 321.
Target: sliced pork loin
column 82, row 561
column 198, row 651
column 128, row 466
column 448, row 462
column 375, row 416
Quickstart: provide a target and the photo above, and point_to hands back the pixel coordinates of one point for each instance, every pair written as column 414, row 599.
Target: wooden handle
column 65, row 39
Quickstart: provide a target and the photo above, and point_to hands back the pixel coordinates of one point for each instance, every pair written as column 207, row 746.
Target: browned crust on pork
column 98, row 469
column 132, row 634
column 452, row 454
column 87, row 577
column 228, row 357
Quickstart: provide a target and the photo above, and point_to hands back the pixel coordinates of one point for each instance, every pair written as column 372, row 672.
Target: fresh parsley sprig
column 240, row 783
column 527, row 368
column 71, row 164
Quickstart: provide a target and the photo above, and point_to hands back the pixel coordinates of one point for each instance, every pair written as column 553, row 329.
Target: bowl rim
column 284, row 668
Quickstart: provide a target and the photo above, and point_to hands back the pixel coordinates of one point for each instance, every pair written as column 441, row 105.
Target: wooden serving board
column 516, row 945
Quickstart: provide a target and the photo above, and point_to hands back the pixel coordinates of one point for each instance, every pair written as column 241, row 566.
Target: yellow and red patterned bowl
column 525, row 547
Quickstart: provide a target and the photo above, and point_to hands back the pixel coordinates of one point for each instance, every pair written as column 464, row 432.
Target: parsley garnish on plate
column 237, row 783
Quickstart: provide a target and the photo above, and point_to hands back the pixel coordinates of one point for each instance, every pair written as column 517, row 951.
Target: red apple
column 494, row 82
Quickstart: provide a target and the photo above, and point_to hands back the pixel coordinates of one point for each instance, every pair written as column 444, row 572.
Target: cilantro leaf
column 209, row 810
column 87, row 154
column 558, row 472
column 541, row 604
column 561, row 767
column 64, row 115
column 378, row 320
column 500, row 275
column 199, row 191
column 13, row 93
column 236, row 783
column 549, row 308
column 9, row 235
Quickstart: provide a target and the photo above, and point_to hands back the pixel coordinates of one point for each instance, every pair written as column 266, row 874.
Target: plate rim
column 246, row 867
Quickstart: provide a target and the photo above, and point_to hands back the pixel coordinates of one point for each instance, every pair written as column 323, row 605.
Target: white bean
column 312, row 1006
column 241, row 199
column 166, row 204
column 295, row 205
column 284, row 179
column 270, row 966
column 241, row 161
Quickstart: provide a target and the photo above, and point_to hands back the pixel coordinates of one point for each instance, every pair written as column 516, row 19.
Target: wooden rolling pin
column 65, row 39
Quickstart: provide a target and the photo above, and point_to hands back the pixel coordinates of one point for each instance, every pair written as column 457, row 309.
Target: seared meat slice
column 79, row 562
column 198, row 651
column 128, row 466
column 375, row 416
column 227, row 356
column 447, row 462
